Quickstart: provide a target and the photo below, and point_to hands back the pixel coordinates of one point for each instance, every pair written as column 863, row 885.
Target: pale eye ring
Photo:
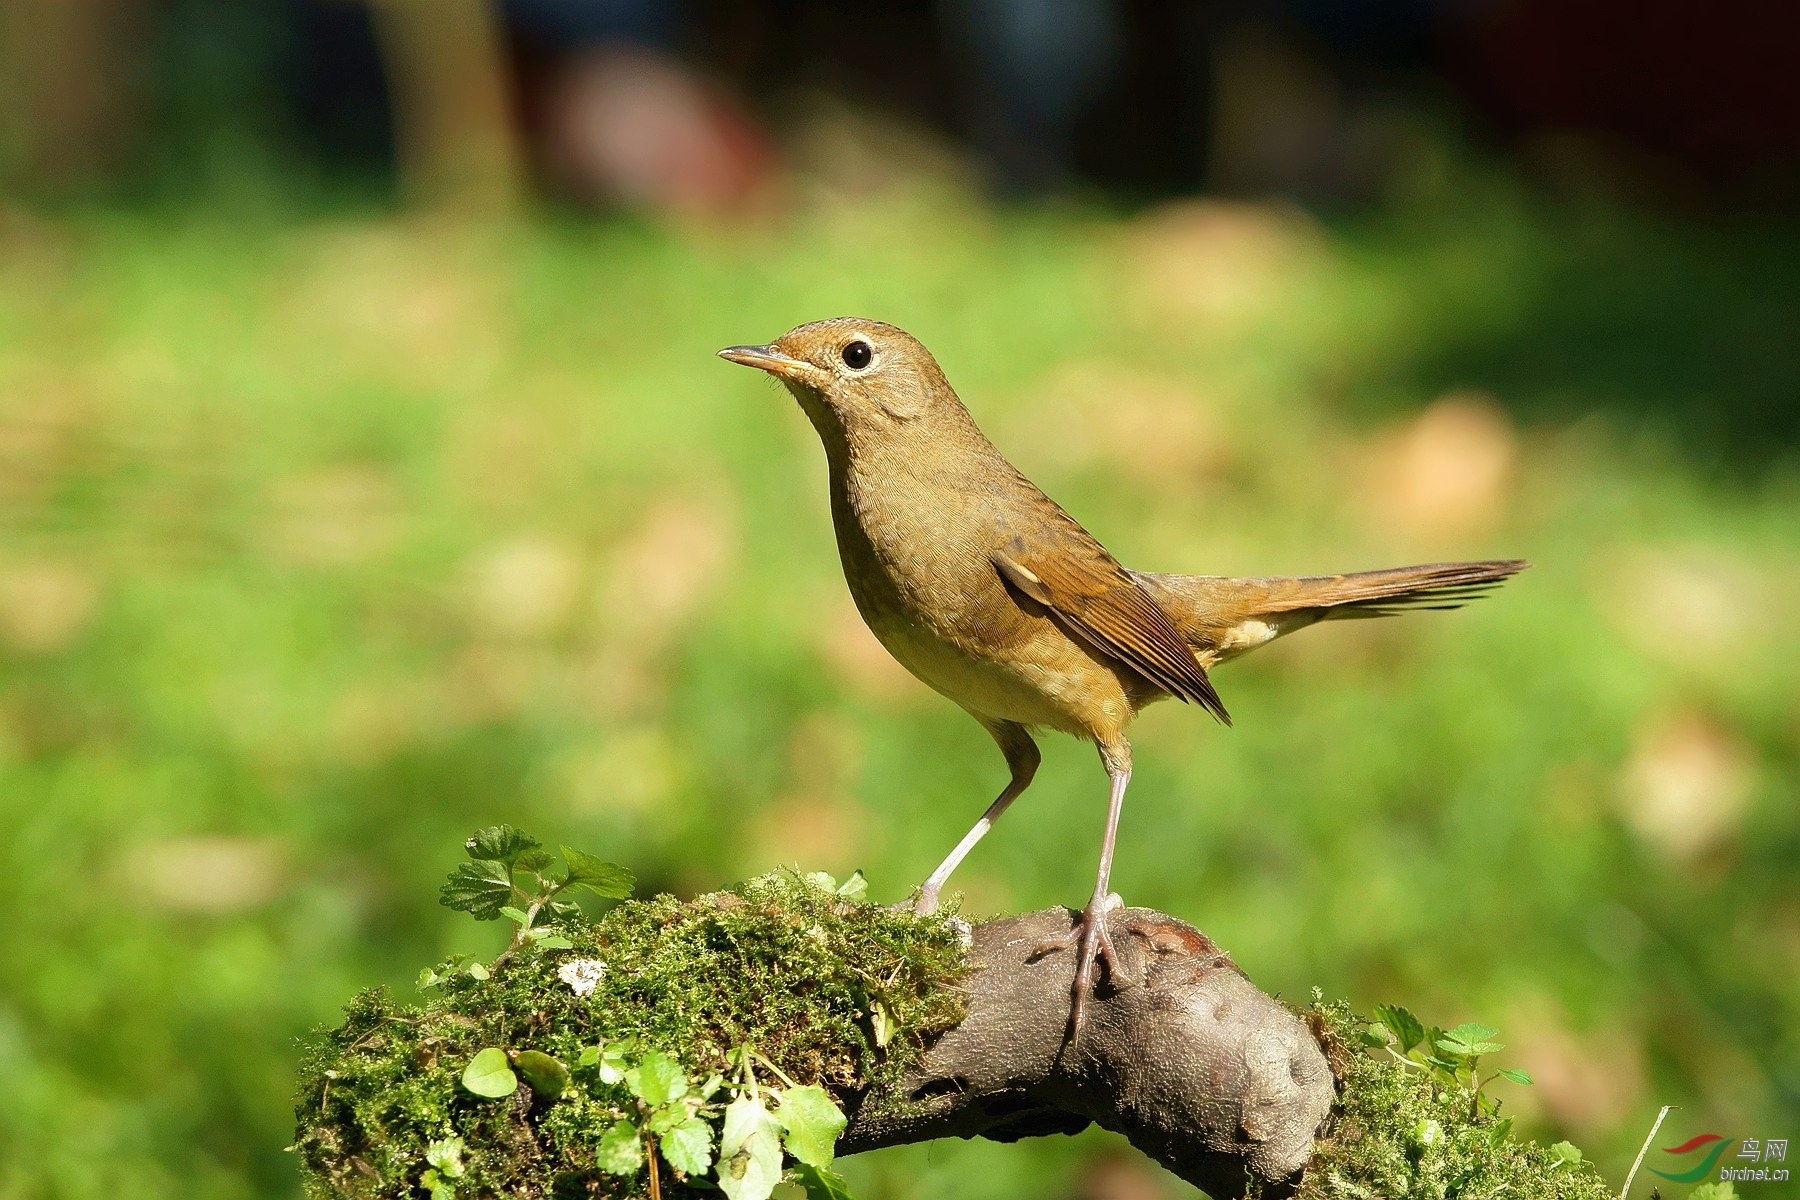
column 857, row 355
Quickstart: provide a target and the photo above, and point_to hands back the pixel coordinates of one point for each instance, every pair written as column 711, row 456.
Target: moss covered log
column 919, row 1029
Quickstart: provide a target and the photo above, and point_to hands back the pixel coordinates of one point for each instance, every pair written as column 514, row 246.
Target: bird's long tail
column 1222, row 617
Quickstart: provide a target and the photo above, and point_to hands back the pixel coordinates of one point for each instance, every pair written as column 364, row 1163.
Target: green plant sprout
column 1451, row 1056
column 507, row 877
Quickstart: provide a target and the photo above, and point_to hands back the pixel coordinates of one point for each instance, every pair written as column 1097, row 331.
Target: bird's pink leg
column 1089, row 932
column 1022, row 760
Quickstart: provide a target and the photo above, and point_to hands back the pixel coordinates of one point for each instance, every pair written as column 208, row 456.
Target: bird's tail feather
column 1222, row 617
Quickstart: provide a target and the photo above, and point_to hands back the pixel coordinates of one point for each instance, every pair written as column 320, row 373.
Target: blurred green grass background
column 328, row 535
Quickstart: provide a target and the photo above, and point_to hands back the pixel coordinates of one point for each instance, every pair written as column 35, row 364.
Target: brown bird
column 994, row 596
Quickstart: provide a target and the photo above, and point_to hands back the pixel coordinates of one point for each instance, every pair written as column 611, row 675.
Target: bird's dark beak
column 768, row 358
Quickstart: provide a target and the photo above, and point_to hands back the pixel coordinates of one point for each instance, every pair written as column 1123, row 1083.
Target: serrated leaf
column 1406, row 1028
column 749, row 1151
column 1566, row 1152
column 812, row 1121
column 534, row 859
column 597, row 875
column 688, row 1147
column 500, row 843
column 657, row 1080
column 563, row 910
column 1515, row 1075
column 620, row 1151
column 1469, row 1040
column 613, row 1064
column 480, row 888
column 547, row 1076
column 446, row 1156
column 855, row 887
column 663, row 1119
column 821, row 1184
column 489, row 1074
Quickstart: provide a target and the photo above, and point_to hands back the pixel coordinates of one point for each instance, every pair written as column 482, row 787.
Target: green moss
column 776, row 963
column 1398, row 1135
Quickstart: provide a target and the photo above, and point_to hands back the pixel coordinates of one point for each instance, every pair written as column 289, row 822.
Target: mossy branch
column 920, row 1028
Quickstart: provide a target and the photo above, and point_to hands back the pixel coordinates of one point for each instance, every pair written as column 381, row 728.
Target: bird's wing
column 1072, row 575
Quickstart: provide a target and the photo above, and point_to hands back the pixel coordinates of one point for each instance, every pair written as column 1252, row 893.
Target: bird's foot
column 926, row 902
column 1092, row 941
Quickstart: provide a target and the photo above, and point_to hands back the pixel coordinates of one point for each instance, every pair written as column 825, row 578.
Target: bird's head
column 853, row 375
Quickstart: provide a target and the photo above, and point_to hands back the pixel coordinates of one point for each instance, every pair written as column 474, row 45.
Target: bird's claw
column 1093, row 941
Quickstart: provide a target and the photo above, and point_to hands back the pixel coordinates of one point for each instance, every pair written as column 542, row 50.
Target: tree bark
column 1183, row 1055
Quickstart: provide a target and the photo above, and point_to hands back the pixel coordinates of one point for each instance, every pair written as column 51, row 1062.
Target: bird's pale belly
column 1020, row 673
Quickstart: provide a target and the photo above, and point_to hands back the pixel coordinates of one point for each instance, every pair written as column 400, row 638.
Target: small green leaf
column 564, row 911
column 534, row 859
column 663, row 1119
column 547, row 1076
column 657, row 1080
column 1400, row 1022
column 881, row 1023
column 489, row 1074
column 1566, row 1153
column 688, row 1147
column 749, row 1151
column 1502, row 1129
column 1469, row 1040
column 446, row 1156
column 439, row 1187
column 428, row 978
column 479, row 888
column 713, row 1083
column 1514, row 1075
column 825, row 881
column 612, row 1063
column 516, row 915
column 597, row 875
column 547, row 940
column 1374, row 1035
column 476, row 970
column 589, row 1056
column 621, row 1151
column 500, row 843
column 821, row 1184
column 812, row 1121
column 855, row 887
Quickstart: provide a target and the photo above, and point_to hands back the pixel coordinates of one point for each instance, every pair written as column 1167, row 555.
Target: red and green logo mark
column 1713, row 1143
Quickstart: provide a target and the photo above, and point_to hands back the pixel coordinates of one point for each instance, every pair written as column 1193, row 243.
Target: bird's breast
column 920, row 569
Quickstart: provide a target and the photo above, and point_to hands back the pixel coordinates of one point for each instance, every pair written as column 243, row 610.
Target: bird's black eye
column 857, row 355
